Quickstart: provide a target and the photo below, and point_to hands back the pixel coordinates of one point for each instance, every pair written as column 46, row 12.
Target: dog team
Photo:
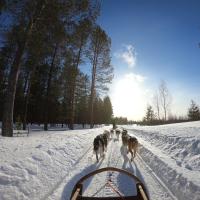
column 129, row 143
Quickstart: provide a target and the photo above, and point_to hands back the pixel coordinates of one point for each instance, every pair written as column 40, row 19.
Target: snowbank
column 173, row 152
column 31, row 166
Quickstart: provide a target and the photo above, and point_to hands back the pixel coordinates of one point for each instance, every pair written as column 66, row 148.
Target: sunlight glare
column 129, row 97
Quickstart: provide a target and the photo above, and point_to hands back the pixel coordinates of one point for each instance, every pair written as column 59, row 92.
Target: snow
column 31, row 165
column 173, row 152
column 46, row 165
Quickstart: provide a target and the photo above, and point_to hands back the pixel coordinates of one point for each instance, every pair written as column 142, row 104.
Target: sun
column 129, row 97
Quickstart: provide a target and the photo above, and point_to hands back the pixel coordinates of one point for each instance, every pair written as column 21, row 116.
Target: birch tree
column 156, row 102
column 165, row 99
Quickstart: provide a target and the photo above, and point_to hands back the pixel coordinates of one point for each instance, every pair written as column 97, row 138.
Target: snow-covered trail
column 174, row 159
column 95, row 186
column 46, row 165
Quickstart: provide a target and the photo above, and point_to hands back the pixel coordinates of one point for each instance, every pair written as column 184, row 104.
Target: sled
column 141, row 190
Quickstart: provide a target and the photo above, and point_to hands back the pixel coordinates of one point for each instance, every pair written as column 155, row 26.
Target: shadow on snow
column 70, row 185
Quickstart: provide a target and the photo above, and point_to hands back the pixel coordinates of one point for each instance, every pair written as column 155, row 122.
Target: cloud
column 135, row 77
column 128, row 55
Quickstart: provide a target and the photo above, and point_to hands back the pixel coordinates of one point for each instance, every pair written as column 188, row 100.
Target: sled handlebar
column 77, row 190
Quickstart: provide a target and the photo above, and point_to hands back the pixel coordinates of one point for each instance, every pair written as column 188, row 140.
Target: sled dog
column 99, row 146
column 111, row 133
column 117, row 132
column 129, row 142
column 132, row 146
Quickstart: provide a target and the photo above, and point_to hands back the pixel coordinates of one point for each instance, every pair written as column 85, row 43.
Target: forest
column 55, row 64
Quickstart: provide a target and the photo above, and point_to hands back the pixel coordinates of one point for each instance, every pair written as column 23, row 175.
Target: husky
column 129, row 142
column 125, row 137
column 117, row 132
column 111, row 133
column 106, row 135
column 132, row 146
column 99, row 146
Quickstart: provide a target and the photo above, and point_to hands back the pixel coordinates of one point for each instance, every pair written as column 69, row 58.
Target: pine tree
column 53, row 20
column 107, row 110
column 102, row 71
column 193, row 111
column 82, row 99
column 27, row 18
column 150, row 116
column 79, row 41
column 98, row 111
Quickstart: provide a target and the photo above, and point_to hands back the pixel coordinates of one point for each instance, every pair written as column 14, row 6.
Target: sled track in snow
column 155, row 177
column 112, row 162
column 67, row 174
column 162, row 186
column 152, row 173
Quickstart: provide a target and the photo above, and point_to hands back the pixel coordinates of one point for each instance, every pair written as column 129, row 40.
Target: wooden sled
column 141, row 190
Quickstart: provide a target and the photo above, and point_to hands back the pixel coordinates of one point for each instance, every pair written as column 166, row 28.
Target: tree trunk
column 49, row 89
column 7, row 122
column 93, row 92
column 26, row 98
column 26, row 91
column 74, row 88
column 26, row 107
column 72, row 106
column 93, row 82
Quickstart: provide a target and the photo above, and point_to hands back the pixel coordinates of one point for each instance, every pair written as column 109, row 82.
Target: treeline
column 151, row 118
column 46, row 47
column 159, row 112
column 120, row 120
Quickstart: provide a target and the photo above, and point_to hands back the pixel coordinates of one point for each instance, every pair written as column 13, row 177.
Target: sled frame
column 141, row 191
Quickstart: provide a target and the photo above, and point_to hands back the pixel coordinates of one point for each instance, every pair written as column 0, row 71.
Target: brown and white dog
column 129, row 142
column 132, row 146
column 125, row 137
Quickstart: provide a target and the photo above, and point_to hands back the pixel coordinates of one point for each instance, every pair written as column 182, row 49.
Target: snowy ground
column 173, row 152
column 46, row 165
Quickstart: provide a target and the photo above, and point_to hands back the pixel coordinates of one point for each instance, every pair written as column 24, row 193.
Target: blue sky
column 153, row 41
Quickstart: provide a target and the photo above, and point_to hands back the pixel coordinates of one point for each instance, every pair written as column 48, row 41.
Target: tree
column 27, row 19
column 2, row 5
column 102, row 71
column 52, row 23
column 82, row 99
column 98, row 111
column 44, row 45
column 165, row 98
column 150, row 116
column 120, row 120
column 193, row 111
column 79, row 41
column 107, row 110
column 156, row 102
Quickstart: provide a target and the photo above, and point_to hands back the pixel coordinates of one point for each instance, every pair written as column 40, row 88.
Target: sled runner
column 141, row 190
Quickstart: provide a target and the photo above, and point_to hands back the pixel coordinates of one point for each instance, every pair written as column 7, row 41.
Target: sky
column 152, row 40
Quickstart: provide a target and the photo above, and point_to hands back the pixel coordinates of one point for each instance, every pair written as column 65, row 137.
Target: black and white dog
column 100, row 145
column 117, row 132
column 111, row 134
